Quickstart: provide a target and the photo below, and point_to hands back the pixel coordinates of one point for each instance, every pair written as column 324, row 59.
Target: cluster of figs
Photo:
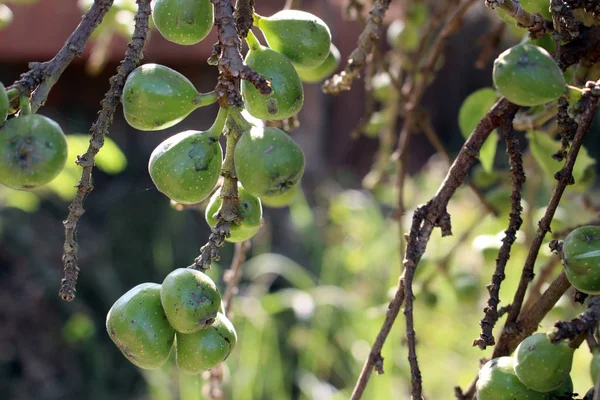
column 540, row 367
column 184, row 312
column 146, row 321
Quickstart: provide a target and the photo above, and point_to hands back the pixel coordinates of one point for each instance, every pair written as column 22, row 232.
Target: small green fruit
column 300, row 36
column 323, row 71
column 497, row 381
column 183, row 22
column 156, row 97
column 528, row 76
column 282, row 200
column 287, row 94
column 33, row 151
column 564, row 391
column 541, row 365
column 595, row 366
column 203, row 350
column 249, row 211
column 381, row 86
column 137, row 324
column 190, row 299
column 4, row 104
column 6, row 16
column 581, row 259
column 268, row 162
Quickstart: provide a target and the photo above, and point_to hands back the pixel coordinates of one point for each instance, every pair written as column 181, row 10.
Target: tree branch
column 42, row 76
column 99, row 129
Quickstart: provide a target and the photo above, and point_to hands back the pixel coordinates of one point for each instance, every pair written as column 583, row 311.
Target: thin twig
column 535, row 23
column 358, row 58
column 99, row 130
column 585, row 322
column 42, row 76
column 517, row 174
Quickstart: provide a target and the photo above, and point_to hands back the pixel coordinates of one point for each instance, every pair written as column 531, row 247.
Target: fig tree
column 183, row 22
column 542, row 365
column 268, row 162
column 528, row 76
column 190, row 299
column 156, row 97
column 300, row 36
column 137, row 324
column 203, row 350
column 319, row 73
column 186, row 166
column 581, row 259
column 249, row 211
column 33, row 151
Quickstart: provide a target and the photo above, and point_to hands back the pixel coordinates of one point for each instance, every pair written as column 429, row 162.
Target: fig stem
column 252, row 41
column 205, row 99
column 25, row 105
column 12, row 94
column 240, row 120
column 574, row 93
column 217, row 127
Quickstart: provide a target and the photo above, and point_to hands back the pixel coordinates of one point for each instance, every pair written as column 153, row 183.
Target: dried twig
column 585, row 322
column 358, row 58
column 43, row 75
column 535, row 23
column 99, row 130
column 517, row 174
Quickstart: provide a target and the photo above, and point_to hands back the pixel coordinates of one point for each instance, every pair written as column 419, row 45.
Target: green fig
column 564, row 391
column 137, row 324
column 595, row 365
column 323, row 71
column 498, row 381
column 287, row 94
column 156, row 97
column 542, row 365
column 268, row 162
column 528, row 76
column 184, row 22
column 4, row 104
column 6, row 16
column 33, row 151
column 581, row 259
column 190, row 299
column 300, row 36
column 203, row 350
column 249, row 211
column 281, row 200
column 186, row 166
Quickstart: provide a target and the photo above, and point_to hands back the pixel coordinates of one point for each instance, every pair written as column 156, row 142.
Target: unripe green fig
column 281, row 200
column 528, row 76
column 300, row 36
column 287, row 94
column 595, row 366
column 581, row 259
column 183, row 22
column 33, row 151
column 323, row 71
column 6, row 16
column 156, row 97
column 137, row 324
column 186, row 166
column 542, row 365
column 203, row 350
column 268, row 162
column 564, row 391
column 4, row 104
column 249, row 211
column 498, row 381
column 190, row 299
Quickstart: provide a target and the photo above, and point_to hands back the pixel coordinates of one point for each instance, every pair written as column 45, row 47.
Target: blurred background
column 320, row 273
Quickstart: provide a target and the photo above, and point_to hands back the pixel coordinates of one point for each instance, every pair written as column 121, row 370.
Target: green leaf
column 472, row 110
column 543, row 146
column 110, row 159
